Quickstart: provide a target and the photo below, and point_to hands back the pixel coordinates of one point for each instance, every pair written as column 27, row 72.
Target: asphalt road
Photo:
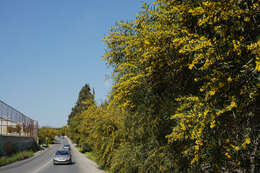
column 42, row 163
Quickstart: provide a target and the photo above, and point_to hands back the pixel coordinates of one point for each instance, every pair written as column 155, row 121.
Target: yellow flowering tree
column 185, row 96
column 198, row 63
column 219, row 41
column 147, row 78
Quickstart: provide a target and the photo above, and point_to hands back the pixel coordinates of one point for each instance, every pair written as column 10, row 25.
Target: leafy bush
column 186, row 90
column 4, row 160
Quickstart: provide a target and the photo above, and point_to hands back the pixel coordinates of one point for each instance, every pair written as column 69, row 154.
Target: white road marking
column 37, row 170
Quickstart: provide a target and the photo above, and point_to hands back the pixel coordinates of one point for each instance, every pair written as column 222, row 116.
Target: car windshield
column 66, row 145
column 62, row 152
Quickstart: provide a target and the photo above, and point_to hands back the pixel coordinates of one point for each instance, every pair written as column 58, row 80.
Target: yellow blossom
column 247, row 141
column 252, row 46
column 233, row 104
column 246, row 19
column 244, row 145
column 257, row 66
column 147, row 42
column 221, row 84
column 191, row 66
column 229, row 79
column 213, row 124
column 245, row 66
column 212, row 93
column 182, row 126
column 236, row 148
column 255, row 5
column 228, row 156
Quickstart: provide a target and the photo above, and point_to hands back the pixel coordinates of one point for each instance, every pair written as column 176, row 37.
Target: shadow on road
column 73, row 163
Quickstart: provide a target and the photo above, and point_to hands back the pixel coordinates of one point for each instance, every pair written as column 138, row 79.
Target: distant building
column 11, row 128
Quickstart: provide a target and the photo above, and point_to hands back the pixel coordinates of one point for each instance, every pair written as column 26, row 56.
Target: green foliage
column 47, row 135
column 4, row 160
column 81, row 103
column 85, row 99
column 186, row 91
column 64, row 131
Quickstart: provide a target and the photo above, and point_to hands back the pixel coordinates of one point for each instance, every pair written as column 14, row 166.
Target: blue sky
column 50, row 48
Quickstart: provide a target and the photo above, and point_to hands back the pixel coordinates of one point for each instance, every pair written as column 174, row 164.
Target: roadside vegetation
column 90, row 155
column 47, row 135
column 4, row 160
column 185, row 95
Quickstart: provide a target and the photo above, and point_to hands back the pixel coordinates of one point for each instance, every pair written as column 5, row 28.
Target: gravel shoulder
column 85, row 164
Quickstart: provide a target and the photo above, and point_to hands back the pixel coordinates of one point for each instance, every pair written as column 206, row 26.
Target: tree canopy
column 186, row 90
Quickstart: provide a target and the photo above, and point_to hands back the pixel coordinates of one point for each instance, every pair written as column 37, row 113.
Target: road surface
column 42, row 163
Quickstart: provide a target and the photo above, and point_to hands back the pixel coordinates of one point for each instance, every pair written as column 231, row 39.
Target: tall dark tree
column 85, row 99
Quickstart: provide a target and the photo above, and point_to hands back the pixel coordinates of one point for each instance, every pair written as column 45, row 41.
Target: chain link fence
column 14, row 123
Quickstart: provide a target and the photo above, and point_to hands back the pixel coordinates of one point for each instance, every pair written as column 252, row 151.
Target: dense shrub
column 186, row 90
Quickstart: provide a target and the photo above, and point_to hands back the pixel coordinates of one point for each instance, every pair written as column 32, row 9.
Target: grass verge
column 91, row 156
column 79, row 149
column 4, row 160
